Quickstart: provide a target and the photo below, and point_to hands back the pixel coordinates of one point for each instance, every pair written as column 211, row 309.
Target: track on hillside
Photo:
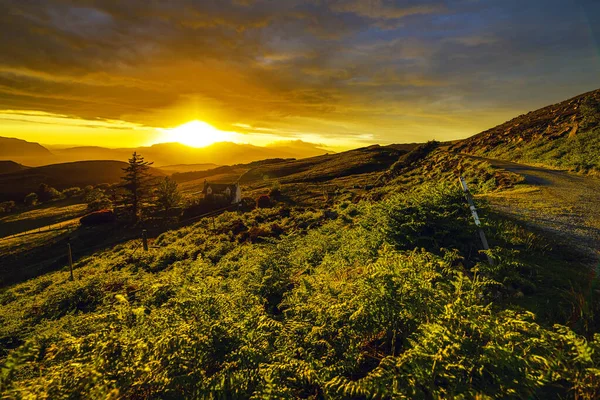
column 555, row 201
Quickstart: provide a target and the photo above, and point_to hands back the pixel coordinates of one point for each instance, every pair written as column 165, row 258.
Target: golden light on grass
column 196, row 134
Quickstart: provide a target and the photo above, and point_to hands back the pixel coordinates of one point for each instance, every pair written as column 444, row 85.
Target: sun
column 196, row 134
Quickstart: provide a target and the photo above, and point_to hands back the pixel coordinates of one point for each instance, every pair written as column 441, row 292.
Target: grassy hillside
column 16, row 185
column 564, row 135
column 385, row 297
column 326, row 167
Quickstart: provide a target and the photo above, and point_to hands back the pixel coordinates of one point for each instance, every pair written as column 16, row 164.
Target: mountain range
column 163, row 154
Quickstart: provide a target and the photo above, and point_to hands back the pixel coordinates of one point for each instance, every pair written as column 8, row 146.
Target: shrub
column 275, row 191
column 47, row 193
column 31, row 199
column 7, row 206
column 263, row 201
column 72, row 192
column 99, row 204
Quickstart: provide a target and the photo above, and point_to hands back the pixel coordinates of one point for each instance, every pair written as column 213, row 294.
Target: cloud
column 344, row 68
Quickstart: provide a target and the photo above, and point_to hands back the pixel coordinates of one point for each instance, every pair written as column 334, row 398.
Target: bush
column 99, row 204
column 31, row 199
column 275, row 191
column 263, row 201
column 98, row 217
column 47, row 193
column 7, row 206
column 72, row 192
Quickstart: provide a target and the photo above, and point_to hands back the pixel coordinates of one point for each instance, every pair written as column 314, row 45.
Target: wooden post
column 70, row 255
column 145, row 239
column 484, row 242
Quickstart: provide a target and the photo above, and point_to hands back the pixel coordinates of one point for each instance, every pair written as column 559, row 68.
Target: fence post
column 70, row 255
column 484, row 242
column 145, row 239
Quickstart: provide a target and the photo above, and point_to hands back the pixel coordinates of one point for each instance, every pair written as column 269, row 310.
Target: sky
column 342, row 73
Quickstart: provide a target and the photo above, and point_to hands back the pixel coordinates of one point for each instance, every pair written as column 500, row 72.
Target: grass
column 580, row 153
column 41, row 216
column 355, row 293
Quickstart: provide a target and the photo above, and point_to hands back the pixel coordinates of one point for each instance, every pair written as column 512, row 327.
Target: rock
column 574, row 130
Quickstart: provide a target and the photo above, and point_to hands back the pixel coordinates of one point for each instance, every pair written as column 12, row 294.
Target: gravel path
column 559, row 202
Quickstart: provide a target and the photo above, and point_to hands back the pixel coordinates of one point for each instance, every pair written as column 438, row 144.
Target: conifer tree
column 136, row 183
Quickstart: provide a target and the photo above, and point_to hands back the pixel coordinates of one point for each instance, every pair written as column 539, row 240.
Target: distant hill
column 297, row 149
column 14, row 186
column 168, row 154
column 24, row 152
column 552, row 136
column 7, row 167
column 179, row 168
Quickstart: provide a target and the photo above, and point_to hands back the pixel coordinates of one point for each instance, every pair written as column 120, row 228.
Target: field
column 363, row 285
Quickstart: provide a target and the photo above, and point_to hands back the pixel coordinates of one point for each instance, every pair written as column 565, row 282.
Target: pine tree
column 136, row 183
column 168, row 195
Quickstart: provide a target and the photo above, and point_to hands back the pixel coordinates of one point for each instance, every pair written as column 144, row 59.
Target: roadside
column 558, row 202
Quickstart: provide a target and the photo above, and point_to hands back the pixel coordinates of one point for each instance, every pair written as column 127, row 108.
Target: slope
column 6, row 167
column 564, row 135
column 16, row 185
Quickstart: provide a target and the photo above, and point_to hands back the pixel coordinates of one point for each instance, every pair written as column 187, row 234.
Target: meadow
column 377, row 294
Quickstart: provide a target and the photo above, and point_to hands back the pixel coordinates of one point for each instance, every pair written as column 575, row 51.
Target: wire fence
column 62, row 250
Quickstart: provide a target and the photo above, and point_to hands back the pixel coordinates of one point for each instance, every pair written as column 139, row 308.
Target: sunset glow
column 346, row 73
column 196, row 134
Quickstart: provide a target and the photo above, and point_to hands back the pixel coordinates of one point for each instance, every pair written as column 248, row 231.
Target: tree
column 136, row 183
column 46, row 193
column 31, row 199
column 168, row 195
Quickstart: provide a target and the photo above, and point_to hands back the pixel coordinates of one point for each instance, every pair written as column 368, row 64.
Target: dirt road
column 559, row 202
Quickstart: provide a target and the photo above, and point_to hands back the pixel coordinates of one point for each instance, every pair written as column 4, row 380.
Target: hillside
column 14, row 186
column 6, row 167
column 556, row 136
column 326, row 167
column 385, row 298
column 179, row 168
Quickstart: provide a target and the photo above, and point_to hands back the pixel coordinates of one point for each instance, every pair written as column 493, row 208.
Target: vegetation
column 7, row 206
column 590, row 111
column 263, row 201
column 167, row 195
column 136, row 182
column 47, row 193
column 378, row 299
column 31, row 199
column 72, row 192
column 580, row 153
